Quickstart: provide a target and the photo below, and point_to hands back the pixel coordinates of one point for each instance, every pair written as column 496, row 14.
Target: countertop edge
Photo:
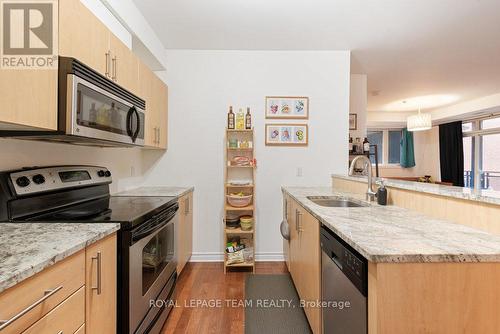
column 440, row 190
column 39, row 267
column 399, row 258
column 173, row 191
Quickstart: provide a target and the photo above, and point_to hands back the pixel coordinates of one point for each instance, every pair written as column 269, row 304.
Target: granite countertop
column 393, row 234
column 28, row 248
column 158, row 191
column 484, row 196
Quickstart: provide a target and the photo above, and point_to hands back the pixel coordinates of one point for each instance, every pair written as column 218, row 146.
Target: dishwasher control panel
column 353, row 263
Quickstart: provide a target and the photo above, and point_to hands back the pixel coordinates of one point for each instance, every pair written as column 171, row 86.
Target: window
column 394, row 146
column 482, row 153
column 376, row 138
column 388, row 143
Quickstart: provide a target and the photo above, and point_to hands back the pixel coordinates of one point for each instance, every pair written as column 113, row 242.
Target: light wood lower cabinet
column 64, row 298
column 184, row 245
column 67, row 317
column 100, row 280
column 305, row 260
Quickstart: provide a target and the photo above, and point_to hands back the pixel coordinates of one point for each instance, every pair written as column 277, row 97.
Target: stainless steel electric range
column 146, row 241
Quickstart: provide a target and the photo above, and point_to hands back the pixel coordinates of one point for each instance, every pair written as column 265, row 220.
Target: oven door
column 152, row 262
column 96, row 113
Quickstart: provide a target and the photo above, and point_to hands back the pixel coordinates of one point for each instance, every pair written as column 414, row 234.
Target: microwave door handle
column 138, row 129
column 129, row 121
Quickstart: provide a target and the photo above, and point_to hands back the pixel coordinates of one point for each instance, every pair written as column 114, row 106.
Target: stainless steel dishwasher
column 344, row 280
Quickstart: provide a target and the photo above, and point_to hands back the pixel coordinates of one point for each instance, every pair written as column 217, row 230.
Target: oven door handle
column 155, row 225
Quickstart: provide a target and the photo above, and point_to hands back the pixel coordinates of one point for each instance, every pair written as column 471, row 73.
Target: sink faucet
column 370, row 194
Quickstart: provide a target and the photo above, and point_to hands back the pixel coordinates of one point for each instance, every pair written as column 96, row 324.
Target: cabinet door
column 29, row 99
column 83, row 36
column 286, row 216
column 100, row 281
column 310, row 281
column 185, row 231
column 294, row 245
column 163, row 115
column 146, row 77
column 181, row 231
column 124, row 65
column 189, row 227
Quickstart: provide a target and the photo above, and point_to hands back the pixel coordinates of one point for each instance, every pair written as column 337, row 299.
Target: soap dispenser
column 382, row 194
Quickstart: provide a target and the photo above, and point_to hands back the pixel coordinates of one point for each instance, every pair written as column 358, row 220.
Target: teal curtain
column 407, row 150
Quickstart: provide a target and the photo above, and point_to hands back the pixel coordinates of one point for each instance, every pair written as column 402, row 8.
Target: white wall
column 202, row 85
column 124, row 163
column 358, row 104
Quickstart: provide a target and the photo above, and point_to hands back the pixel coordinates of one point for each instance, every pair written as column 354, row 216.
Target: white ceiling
column 407, row 48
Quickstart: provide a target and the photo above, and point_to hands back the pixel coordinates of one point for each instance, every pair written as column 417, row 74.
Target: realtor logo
column 29, row 34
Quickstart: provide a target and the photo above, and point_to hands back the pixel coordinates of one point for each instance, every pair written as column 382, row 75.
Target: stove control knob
column 107, row 173
column 100, row 173
column 22, row 181
column 39, row 179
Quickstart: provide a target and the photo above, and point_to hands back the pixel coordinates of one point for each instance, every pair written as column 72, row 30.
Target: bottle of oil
column 240, row 120
column 248, row 120
column 230, row 118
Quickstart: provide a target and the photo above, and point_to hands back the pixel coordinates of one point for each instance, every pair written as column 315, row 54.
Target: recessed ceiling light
column 424, row 102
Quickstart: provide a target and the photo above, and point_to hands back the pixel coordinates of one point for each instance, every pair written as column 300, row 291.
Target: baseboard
column 219, row 257
column 269, row 257
column 207, row 257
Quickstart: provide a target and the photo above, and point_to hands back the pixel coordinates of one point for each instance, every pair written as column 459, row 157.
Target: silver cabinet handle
column 159, row 135
column 187, row 206
column 286, row 209
column 299, row 221
column 108, row 55
column 47, row 294
column 113, row 61
column 98, row 258
column 156, row 135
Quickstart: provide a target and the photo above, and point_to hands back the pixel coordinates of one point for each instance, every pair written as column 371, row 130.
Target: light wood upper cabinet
column 124, row 65
column 100, row 281
column 155, row 92
column 29, row 99
column 305, row 260
column 83, row 36
column 184, row 245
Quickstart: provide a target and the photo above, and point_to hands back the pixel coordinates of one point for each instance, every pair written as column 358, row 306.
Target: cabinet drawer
column 63, row 279
column 81, row 330
column 67, row 317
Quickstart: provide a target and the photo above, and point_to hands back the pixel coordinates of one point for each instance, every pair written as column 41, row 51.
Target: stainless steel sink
column 336, row 202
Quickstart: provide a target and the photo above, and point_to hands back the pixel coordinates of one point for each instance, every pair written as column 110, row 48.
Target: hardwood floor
column 206, row 284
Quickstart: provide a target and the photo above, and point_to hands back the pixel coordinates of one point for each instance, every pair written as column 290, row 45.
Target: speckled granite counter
column 484, row 196
column 393, row 234
column 157, row 191
column 28, row 248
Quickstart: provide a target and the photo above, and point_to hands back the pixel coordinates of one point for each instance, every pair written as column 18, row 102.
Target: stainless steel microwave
column 92, row 110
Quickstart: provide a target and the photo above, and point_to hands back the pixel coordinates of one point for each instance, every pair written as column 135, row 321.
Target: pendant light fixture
column 419, row 122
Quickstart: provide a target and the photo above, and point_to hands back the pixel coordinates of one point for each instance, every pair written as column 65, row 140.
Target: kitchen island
column 424, row 275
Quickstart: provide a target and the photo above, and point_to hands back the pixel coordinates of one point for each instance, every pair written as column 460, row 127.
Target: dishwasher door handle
column 336, row 260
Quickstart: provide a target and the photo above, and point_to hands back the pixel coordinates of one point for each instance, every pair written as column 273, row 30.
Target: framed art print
column 287, row 107
column 353, row 121
column 287, row 135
